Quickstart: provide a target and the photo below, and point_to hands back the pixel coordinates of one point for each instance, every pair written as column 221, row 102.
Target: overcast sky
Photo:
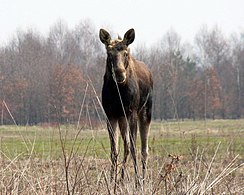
column 151, row 19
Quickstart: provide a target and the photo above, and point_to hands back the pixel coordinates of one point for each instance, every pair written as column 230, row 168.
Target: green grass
column 165, row 138
column 46, row 142
column 184, row 136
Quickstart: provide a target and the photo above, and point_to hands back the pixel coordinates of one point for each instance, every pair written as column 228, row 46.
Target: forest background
column 49, row 79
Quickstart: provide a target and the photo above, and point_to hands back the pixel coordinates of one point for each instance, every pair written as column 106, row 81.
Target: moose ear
column 104, row 36
column 129, row 37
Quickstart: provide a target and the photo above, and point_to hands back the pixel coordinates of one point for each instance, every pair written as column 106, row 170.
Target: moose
column 126, row 100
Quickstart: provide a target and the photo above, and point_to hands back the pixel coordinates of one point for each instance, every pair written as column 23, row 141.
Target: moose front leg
column 113, row 136
column 133, row 137
column 125, row 136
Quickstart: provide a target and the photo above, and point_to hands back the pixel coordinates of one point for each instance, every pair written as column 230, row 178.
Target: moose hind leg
column 113, row 136
column 144, row 123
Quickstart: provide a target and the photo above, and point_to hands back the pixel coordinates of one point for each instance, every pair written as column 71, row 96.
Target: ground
column 185, row 157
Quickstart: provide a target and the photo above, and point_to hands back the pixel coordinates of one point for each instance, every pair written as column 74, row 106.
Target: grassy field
column 186, row 157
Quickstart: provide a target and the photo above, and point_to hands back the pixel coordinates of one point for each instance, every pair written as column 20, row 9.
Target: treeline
column 58, row 78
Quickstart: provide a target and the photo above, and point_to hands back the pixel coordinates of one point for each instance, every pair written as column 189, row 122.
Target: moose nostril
column 121, row 79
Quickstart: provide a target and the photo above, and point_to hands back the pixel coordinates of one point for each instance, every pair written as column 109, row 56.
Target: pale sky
column 151, row 19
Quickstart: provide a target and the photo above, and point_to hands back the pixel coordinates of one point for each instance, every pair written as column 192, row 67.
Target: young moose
column 126, row 99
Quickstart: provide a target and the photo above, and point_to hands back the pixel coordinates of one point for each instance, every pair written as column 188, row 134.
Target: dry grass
column 66, row 161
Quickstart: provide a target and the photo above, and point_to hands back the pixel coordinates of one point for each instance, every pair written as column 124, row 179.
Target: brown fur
column 126, row 99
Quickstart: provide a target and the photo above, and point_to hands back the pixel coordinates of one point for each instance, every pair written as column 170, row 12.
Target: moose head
column 118, row 53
